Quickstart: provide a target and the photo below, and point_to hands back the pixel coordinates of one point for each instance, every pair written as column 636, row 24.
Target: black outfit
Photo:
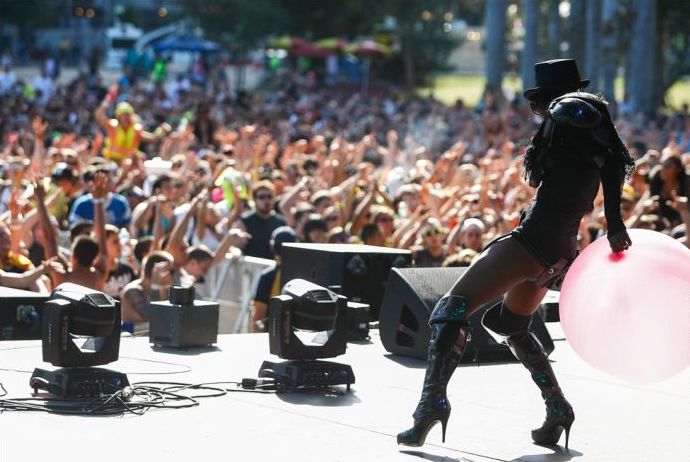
column 261, row 228
column 574, row 150
column 568, row 167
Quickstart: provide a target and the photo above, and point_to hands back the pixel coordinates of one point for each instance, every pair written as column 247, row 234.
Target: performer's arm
column 612, row 181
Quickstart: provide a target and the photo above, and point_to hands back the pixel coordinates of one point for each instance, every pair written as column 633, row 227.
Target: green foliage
column 674, row 40
column 29, row 13
column 238, row 24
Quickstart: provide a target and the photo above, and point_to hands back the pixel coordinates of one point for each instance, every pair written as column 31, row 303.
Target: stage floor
column 494, row 407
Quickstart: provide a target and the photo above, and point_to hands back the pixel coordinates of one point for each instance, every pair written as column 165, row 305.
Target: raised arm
column 101, row 118
column 235, row 238
column 50, row 246
column 360, row 215
column 39, row 128
column 99, row 193
column 176, row 241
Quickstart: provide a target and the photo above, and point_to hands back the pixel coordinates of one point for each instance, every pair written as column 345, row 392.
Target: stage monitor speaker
column 361, row 271
column 20, row 314
column 411, row 294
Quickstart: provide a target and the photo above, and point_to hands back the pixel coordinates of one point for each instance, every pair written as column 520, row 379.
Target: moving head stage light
column 305, row 310
column 73, row 315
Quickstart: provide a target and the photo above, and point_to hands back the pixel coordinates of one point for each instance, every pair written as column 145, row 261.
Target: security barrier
column 232, row 283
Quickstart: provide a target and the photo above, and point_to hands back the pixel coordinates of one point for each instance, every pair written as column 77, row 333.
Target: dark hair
column 280, row 236
column 159, row 181
column 157, row 256
column 263, row 184
column 319, row 197
column 302, row 210
column 85, row 250
column 199, row 253
column 142, row 247
column 78, row 228
column 314, row 223
column 368, row 231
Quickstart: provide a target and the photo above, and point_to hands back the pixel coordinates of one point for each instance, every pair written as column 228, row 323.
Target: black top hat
column 557, row 76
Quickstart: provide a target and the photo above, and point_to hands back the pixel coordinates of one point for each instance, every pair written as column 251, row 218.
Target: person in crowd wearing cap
column 123, row 133
column 575, row 149
column 469, row 235
column 432, row 251
column 269, row 280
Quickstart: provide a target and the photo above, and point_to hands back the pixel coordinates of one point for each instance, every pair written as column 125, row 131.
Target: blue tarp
column 186, row 44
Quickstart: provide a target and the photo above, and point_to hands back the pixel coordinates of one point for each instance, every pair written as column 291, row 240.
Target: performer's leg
column 512, row 326
column 503, row 265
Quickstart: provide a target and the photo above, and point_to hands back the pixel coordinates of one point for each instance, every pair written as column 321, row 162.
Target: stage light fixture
column 81, row 329
column 182, row 321
column 307, row 322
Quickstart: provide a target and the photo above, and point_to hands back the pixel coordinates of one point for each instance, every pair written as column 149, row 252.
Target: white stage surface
column 494, row 407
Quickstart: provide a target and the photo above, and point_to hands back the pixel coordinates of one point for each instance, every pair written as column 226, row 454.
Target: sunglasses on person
column 384, row 219
column 431, row 232
column 262, row 197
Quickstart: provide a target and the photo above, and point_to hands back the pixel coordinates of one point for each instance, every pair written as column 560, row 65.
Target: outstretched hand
column 620, row 241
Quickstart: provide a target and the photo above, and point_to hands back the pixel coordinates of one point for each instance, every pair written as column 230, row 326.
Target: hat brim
column 531, row 93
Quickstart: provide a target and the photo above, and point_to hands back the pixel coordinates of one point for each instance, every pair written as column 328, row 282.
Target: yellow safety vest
column 122, row 144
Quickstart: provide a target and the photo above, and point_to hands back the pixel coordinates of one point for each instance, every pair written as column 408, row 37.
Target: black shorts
column 554, row 272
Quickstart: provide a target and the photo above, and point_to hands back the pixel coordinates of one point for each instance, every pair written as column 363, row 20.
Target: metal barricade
column 232, row 284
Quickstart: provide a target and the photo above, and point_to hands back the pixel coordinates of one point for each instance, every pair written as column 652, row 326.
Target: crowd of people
column 130, row 189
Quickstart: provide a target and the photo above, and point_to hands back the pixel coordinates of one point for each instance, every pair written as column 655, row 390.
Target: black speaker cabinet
column 182, row 321
column 361, row 271
column 411, row 294
column 20, row 314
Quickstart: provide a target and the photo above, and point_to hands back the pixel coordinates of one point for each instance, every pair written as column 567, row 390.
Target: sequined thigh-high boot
column 513, row 330
column 449, row 334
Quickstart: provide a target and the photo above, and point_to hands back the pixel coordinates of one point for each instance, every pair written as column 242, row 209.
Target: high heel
column 416, row 435
column 559, row 417
column 513, row 330
column 449, row 334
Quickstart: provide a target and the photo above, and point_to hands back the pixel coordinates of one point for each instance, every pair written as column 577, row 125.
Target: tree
column 673, row 44
column 642, row 61
column 529, row 51
column 592, row 50
column 609, row 42
column 495, row 43
column 576, row 30
column 554, row 30
column 424, row 44
column 238, row 24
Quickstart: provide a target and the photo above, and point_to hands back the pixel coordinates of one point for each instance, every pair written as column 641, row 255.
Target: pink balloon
column 628, row 314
